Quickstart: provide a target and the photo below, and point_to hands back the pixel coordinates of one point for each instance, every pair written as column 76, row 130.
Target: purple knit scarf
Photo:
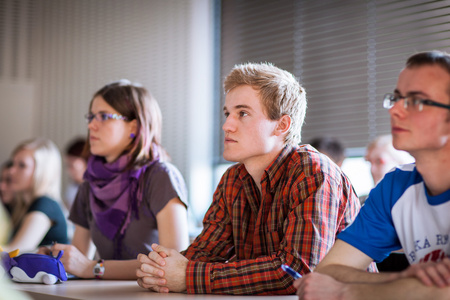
column 115, row 193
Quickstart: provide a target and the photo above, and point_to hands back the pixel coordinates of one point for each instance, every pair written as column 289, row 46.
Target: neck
column 434, row 170
column 256, row 166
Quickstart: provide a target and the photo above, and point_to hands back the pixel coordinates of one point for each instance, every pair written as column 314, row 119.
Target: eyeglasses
column 101, row 117
column 411, row 102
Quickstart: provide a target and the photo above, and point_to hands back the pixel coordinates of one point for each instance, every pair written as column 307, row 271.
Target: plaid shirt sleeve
column 215, row 243
column 318, row 208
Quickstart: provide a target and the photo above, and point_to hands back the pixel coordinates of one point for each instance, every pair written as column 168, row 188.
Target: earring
column 132, row 135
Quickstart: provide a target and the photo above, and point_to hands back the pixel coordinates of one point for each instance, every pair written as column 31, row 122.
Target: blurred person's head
column 76, row 159
column 6, row 192
column 383, row 156
column 125, row 118
column 331, row 147
column 280, row 93
column 35, row 172
column 36, row 169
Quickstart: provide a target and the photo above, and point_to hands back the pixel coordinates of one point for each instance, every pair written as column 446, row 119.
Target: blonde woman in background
column 36, row 214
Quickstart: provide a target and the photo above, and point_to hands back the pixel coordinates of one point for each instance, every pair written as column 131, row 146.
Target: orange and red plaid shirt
column 305, row 201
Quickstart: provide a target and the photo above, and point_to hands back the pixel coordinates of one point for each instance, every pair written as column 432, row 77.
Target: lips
column 395, row 129
column 228, row 140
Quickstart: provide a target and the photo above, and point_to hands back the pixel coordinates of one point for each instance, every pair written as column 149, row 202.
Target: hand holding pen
column 291, row 271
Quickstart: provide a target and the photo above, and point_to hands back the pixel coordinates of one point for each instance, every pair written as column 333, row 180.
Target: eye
column 104, row 116
column 243, row 114
column 416, row 101
column 395, row 98
column 226, row 114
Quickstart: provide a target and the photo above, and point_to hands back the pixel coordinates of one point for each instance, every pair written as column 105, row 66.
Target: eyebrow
column 239, row 106
column 412, row 93
column 101, row 112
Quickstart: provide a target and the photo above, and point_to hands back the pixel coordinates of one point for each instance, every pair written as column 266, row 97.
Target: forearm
column 261, row 276
column 408, row 288
column 352, row 275
column 120, row 269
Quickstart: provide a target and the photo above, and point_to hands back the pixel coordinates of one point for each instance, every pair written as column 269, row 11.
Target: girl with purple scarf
column 131, row 197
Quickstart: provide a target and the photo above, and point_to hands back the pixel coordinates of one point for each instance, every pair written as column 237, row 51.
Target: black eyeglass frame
column 390, row 99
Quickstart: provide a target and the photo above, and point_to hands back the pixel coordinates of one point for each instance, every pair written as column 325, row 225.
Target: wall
column 54, row 54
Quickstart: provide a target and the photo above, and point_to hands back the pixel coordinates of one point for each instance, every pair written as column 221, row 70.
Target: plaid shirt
column 305, row 201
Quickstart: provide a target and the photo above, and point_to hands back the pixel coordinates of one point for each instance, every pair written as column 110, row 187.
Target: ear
column 133, row 127
column 284, row 123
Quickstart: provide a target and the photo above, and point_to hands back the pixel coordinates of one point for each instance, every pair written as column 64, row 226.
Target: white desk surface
column 114, row 289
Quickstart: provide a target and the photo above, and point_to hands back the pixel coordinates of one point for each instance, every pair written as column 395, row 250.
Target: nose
column 229, row 125
column 398, row 110
column 93, row 124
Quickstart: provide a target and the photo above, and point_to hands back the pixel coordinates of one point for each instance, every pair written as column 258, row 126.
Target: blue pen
column 291, row 272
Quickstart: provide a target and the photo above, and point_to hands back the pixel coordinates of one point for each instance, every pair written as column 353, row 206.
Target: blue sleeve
column 373, row 230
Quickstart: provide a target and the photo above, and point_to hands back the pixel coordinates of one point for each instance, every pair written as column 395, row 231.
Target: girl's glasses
column 102, row 116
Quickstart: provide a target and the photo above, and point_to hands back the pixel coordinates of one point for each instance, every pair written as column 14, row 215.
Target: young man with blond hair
column 280, row 204
column 409, row 208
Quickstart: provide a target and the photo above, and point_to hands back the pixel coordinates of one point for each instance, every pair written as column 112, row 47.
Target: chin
column 229, row 157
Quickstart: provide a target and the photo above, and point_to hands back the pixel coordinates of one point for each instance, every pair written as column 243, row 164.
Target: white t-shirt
column 399, row 213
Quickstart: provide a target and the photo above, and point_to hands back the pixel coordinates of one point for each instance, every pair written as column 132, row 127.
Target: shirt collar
column 277, row 168
column 274, row 171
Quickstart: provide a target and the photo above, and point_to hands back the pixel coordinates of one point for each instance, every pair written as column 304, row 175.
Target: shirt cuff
column 198, row 277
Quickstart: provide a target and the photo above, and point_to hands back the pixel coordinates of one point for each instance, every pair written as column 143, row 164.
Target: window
column 347, row 54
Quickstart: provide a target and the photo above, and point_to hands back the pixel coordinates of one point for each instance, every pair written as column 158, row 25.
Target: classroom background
column 54, row 54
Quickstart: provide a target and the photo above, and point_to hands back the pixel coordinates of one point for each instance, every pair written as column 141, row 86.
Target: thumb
column 159, row 248
column 162, row 251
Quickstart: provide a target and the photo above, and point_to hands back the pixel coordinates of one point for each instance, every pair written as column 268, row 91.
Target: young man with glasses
column 409, row 208
column 280, row 204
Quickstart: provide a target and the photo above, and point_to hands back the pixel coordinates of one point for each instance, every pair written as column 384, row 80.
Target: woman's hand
column 74, row 261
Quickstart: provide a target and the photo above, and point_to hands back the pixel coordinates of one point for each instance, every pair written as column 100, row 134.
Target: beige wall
column 57, row 53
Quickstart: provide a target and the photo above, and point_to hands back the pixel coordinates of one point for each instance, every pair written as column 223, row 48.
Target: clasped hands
column 162, row 270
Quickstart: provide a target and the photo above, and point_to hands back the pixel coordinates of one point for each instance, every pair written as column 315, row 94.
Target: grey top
column 163, row 182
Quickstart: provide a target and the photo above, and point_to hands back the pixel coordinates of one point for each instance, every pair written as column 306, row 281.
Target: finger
column 439, row 275
column 143, row 259
column 159, row 249
column 58, row 247
column 157, row 258
column 151, row 280
column 155, row 288
column 297, row 283
column 152, row 270
column 423, row 277
column 44, row 250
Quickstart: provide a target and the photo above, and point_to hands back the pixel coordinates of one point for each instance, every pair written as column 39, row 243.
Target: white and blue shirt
column 399, row 213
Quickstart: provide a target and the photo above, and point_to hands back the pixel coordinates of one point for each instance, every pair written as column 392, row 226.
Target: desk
column 115, row 289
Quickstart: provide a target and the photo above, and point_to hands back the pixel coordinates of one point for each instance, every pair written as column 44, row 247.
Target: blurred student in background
column 6, row 197
column 331, row 147
column 76, row 163
column 36, row 214
column 382, row 157
column 131, row 196
column 6, row 193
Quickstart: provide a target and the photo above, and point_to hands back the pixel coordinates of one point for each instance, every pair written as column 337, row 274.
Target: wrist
column 98, row 269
